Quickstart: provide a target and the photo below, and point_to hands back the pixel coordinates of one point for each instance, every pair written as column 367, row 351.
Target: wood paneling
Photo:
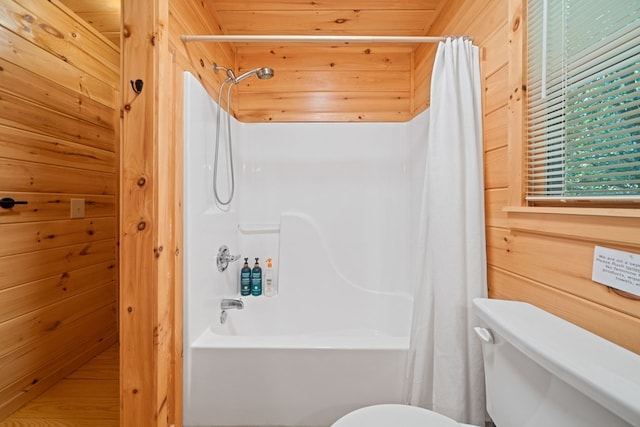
column 494, row 202
column 360, row 105
column 327, row 17
column 324, row 83
column 33, row 177
column 198, row 18
column 103, row 15
column 495, row 128
column 54, row 206
column 152, row 183
column 39, row 293
column 254, row 5
column 28, row 237
column 537, row 254
column 345, row 21
column 30, row 266
column 30, row 57
column 58, row 141
column 21, row 144
column 63, row 36
column 54, row 96
column 495, row 168
column 29, row 327
column 496, row 90
column 324, row 58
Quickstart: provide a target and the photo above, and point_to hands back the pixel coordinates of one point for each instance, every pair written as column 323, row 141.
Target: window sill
column 601, row 212
column 618, row 226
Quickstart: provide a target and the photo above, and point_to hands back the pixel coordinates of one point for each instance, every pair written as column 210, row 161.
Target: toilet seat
column 390, row 415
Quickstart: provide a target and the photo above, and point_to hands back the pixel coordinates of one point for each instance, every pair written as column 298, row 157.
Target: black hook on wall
column 137, row 86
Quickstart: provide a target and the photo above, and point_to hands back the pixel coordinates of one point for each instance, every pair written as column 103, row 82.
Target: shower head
column 262, row 73
column 265, row 73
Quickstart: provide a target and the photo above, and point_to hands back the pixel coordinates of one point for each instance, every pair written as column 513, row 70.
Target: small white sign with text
column 618, row 269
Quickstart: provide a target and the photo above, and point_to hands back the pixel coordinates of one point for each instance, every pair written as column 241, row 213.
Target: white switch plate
column 77, row 208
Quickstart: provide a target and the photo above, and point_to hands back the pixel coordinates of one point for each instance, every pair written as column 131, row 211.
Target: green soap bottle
column 245, row 279
column 256, row 280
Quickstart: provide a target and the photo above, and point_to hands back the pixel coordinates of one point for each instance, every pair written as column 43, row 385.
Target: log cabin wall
column 539, row 255
column 59, row 135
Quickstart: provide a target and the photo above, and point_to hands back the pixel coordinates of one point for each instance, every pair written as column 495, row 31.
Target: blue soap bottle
column 245, row 279
column 256, row 280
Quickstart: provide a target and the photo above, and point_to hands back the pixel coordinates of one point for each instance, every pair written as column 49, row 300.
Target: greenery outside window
column 583, row 102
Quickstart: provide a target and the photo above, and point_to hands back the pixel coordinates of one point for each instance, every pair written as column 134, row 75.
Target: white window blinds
column 583, row 119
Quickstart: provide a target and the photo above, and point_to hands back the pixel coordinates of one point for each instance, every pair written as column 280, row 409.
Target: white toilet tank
column 541, row 370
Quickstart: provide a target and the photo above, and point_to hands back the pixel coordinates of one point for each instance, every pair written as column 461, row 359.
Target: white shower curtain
column 445, row 369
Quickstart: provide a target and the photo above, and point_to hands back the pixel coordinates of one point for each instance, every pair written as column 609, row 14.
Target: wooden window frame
column 592, row 220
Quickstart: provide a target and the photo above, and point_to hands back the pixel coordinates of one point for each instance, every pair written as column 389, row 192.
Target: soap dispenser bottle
column 245, row 279
column 256, row 280
column 270, row 287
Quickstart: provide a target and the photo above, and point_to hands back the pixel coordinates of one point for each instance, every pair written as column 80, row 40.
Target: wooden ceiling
column 103, row 15
column 327, row 17
column 319, row 17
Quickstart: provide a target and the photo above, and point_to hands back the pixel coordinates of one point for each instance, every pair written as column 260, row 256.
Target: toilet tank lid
column 607, row 373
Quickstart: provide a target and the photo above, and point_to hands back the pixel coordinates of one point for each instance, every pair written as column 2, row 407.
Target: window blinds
column 583, row 118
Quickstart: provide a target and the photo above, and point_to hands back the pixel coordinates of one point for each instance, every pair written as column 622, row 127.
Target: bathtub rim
column 323, row 341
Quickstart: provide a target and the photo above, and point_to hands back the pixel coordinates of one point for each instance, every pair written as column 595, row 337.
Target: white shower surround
column 335, row 206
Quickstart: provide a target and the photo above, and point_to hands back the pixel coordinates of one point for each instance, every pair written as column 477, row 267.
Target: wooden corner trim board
column 146, row 323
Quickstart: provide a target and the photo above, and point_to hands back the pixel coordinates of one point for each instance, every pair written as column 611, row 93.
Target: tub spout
column 228, row 304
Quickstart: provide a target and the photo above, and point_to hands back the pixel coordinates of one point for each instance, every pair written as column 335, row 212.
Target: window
column 583, row 102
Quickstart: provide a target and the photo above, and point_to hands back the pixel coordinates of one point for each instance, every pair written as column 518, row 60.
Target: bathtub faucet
column 228, row 304
column 224, row 258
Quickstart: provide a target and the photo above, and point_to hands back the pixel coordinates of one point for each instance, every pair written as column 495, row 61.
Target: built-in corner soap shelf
column 259, row 228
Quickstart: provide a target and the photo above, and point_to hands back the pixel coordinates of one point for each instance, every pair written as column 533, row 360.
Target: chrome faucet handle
column 224, row 258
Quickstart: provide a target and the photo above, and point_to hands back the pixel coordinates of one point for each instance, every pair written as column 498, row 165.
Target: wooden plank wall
column 103, row 15
column 59, row 81
column 539, row 255
column 326, row 83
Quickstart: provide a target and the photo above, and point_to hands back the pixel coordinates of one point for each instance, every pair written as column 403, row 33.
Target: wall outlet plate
column 77, row 208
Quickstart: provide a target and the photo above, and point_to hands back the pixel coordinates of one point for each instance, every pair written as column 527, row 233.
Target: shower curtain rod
column 312, row 39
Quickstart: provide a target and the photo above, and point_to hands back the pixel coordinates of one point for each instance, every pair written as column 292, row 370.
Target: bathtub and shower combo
column 333, row 205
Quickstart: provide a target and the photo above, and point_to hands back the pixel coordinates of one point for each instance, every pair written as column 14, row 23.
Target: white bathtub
column 321, row 348
column 260, row 378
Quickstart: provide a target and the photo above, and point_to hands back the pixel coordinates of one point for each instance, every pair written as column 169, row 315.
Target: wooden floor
column 89, row 397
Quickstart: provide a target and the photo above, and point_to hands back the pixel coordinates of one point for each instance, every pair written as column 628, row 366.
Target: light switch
column 77, row 208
